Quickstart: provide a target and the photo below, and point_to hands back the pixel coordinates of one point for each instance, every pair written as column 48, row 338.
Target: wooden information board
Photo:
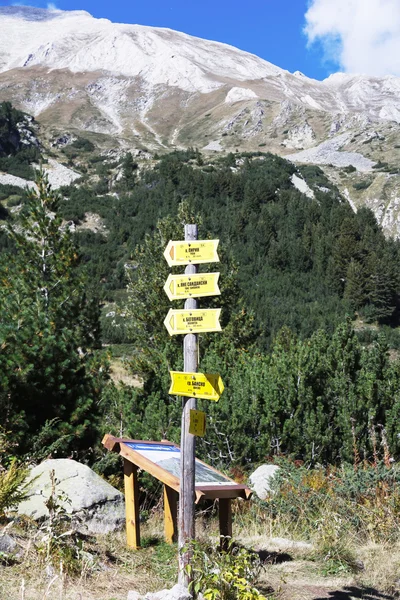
column 162, row 460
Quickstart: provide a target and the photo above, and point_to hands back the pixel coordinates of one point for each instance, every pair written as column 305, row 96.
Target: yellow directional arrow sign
column 196, row 385
column 192, row 286
column 197, row 252
column 192, row 321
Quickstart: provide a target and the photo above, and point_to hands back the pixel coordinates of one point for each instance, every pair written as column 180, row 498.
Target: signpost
column 199, row 385
column 190, row 384
column 192, row 285
column 192, row 321
column 191, row 252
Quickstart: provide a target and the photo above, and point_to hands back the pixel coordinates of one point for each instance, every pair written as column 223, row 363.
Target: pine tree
column 129, row 168
column 355, row 285
column 49, row 334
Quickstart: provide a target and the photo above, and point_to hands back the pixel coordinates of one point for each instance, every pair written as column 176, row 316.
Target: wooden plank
column 225, row 522
column 170, row 514
column 214, row 494
column 132, row 505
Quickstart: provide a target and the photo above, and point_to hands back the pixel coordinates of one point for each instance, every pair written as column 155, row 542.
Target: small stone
column 50, row 572
column 7, row 544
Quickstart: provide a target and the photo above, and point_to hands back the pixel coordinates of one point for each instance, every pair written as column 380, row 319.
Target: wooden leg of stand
column 225, row 522
column 132, row 505
column 170, row 514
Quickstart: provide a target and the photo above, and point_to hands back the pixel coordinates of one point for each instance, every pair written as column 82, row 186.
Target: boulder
column 95, row 506
column 178, row 592
column 260, row 480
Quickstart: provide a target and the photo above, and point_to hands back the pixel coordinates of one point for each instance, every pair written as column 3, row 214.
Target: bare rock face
column 260, row 480
column 95, row 506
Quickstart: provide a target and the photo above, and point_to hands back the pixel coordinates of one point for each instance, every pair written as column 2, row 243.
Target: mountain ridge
column 141, row 87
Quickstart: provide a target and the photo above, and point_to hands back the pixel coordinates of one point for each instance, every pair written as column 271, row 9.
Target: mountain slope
column 139, row 86
column 152, row 58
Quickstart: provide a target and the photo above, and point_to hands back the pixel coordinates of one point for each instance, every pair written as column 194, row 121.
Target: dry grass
column 382, row 566
column 113, row 571
column 294, row 571
column 120, row 374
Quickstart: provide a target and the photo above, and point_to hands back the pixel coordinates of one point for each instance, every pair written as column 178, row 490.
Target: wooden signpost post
column 190, row 384
column 188, row 441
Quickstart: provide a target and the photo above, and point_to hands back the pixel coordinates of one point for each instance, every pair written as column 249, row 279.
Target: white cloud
column 361, row 36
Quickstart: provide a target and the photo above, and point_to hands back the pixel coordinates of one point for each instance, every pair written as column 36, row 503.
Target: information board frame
column 134, row 459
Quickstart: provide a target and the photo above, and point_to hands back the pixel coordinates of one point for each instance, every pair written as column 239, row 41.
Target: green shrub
column 380, row 165
column 360, row 500
column 362, row 185
column 13, row 477
column 13, row 200
column 13, row 486
column 83, row 144
column 226, row 575
column 19, row 164
column 10, row 190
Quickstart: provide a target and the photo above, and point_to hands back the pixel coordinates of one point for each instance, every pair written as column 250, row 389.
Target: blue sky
column 272, row 29
column 317, row 37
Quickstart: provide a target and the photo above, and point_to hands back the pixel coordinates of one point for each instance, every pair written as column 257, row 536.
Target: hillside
column 304, row 258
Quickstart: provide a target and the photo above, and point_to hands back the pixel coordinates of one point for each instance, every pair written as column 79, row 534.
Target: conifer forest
column 310, row 299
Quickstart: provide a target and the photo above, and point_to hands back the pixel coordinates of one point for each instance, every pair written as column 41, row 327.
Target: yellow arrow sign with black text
column 178, row 287
column 192, row 321
column 196, row 253
column 196, row 385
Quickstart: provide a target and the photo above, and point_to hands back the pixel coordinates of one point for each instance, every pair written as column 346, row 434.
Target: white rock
column 153, row 57
column 260, row 480
column 300, row 136
column 95, row 506
column 214, row 145
column 58, row 175
column 303, row 186
column 237, row 94
column 6, row 179
column 178, row 592
column 330, row 152
column 133, row 595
